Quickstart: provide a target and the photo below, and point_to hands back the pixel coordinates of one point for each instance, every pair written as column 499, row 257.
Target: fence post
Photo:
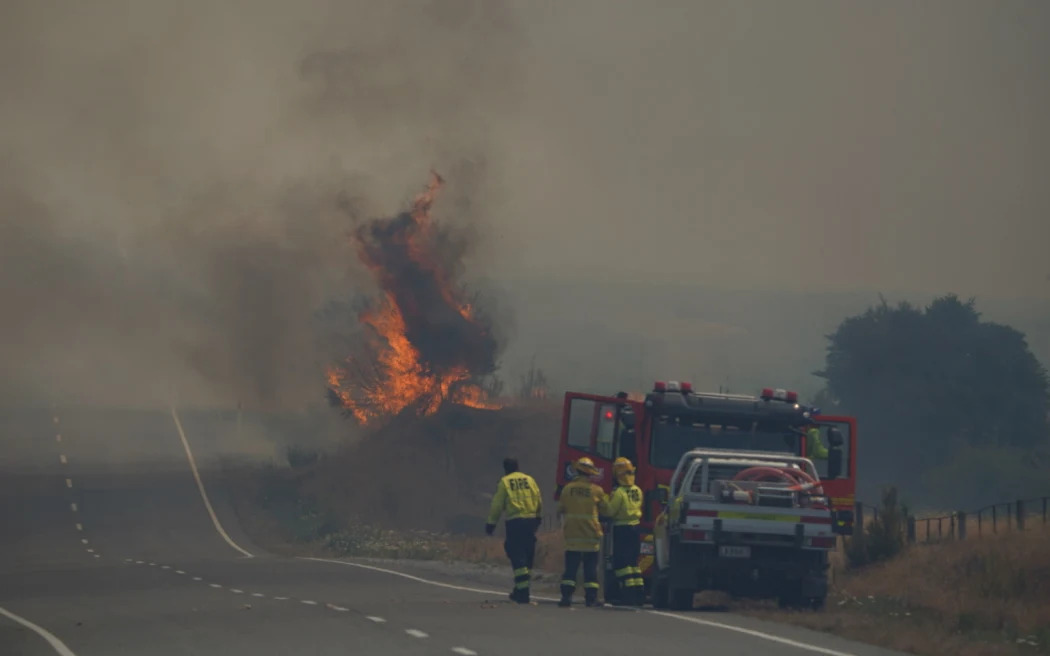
column 995, row 518
column 911, row 528
column 940, row 528
column 1019, row 511
column 951, row 526
column 962, row 524
column 858, row 511
column 1044, row 510
column 979, row 513
column 927, row 529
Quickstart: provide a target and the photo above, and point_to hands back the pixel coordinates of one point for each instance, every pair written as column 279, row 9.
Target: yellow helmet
column 623, row 466
column 585, row 466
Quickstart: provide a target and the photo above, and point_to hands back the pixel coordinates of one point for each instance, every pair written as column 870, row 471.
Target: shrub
column 883, row 537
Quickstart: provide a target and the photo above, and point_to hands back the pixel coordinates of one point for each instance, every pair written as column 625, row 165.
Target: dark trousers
column 520, row 547
column 573, row 559
column 627, row 545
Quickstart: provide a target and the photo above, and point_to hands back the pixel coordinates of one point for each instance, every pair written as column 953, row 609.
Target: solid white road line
column 56, row 644
column 685, row 618
column 200, row 485
column 416, row 633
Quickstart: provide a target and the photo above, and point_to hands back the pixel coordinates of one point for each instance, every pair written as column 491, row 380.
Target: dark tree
column 928, row 382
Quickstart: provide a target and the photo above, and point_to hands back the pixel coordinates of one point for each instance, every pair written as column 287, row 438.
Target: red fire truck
column 654, row 432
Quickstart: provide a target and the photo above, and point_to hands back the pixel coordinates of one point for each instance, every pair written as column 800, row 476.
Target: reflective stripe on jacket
column 518, row 496
column 580, row 503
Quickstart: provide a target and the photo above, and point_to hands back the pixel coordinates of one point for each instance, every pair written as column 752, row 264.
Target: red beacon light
column 686, row 388
column 659, row 386
column 791, row 397
column 767, row 393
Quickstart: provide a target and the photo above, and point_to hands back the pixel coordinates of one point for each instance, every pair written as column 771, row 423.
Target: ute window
column 671, row 439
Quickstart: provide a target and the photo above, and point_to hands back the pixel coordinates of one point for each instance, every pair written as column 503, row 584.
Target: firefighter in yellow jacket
column 518, row 497
column 625, row 510
column 580, row 503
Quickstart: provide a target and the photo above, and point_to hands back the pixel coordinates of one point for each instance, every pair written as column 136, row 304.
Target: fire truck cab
column 672, row 419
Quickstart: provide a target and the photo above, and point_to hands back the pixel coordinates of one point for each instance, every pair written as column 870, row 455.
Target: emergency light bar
column 672, row 386
column 768, row 394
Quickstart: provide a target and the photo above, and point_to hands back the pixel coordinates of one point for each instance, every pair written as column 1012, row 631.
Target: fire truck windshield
column 671, row 439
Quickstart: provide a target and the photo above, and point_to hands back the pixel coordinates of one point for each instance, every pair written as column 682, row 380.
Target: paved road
column 109, row 548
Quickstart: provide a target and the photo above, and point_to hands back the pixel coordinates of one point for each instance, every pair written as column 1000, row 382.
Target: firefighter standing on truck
column 517, row 496
column 580, row 503
column 625, row 510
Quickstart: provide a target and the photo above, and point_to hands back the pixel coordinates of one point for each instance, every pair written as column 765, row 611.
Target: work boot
column 520, row 595
column 638, row 596
column 590, row 597
column 566, row 596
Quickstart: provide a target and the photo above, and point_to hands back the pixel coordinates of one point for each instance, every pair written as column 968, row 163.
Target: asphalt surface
column 108, row 547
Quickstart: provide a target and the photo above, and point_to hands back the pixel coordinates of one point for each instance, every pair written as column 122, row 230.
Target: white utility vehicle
column 753, row 524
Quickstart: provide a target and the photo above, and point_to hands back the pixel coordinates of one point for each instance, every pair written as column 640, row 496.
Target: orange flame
column 401, row 379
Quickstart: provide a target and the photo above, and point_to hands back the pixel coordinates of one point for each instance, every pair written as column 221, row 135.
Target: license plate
column 732, row 551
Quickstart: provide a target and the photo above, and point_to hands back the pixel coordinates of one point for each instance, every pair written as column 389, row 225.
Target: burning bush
column 428, row 345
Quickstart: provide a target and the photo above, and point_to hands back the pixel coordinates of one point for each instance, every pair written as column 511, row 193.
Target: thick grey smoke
column 174, row 179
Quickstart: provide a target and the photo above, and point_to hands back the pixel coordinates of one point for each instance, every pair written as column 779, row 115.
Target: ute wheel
column 682, row 599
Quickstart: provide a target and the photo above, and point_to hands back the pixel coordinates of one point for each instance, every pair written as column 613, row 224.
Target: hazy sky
column 820, row 145
column 174, row 176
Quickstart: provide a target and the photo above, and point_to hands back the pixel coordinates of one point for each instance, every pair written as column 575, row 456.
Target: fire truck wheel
column 661, row 591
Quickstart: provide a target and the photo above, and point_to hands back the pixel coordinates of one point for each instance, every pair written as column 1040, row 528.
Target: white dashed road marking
column 58, row 438
column 80, row 527
column 463, row 651
column 377, row 620
column 62, row 458
column 236, row 591
column 258, row 594
column 416, row 633
column 179, row 571
column 73, row 507
column 69, row 482
column 309, row 602
column 83, row 540
column 197, row 578
column 215, row 585
column 56, row 644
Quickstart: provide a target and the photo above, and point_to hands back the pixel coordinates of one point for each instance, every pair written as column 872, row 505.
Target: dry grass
column 549, row 553
column 988, row 595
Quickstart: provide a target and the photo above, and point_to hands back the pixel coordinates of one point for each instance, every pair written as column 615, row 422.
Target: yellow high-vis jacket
column 625, row 505
column 580, row 503
column 517, row 496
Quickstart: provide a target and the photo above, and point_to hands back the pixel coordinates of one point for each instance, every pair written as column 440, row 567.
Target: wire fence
column 992, row 519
